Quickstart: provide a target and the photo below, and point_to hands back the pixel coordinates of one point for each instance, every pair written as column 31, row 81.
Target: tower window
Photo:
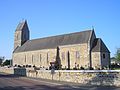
column 40, row 57
column 47, row 58
column 32, row 58
column 25, row 58
column 103, row 56
column 17, row 36
column 77, row 54
column 63, row 55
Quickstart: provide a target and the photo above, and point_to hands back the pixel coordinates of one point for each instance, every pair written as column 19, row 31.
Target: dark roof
column 99, row 46
column 54, row 41
column 21, row 25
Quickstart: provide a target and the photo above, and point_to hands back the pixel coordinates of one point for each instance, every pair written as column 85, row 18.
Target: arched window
column 32, row 59
column 63, row 55
column 103, row 56
column 77, row 55
column 47, row 58
column 17, row 37
column 40, row 57
column 25, row 58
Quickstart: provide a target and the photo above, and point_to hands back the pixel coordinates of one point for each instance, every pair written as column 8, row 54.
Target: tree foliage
column 7, row 62
column 118, row 54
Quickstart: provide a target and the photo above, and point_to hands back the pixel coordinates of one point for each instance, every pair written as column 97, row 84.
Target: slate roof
column 54, row 41
column 99, row 46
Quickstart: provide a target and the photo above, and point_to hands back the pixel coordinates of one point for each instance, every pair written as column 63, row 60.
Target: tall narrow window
column 17, row 37
column 47, row 58
column 63, row 55
column 25, row 58
column 103, row 56
column 40, row 57
column 32, row 59
column 77, row 55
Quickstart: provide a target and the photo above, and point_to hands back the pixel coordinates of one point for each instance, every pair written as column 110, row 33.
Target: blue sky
column 54, row 17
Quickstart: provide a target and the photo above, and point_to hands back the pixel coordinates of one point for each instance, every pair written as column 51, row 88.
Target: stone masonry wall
column 7, row 70
column 96, row 60
column 83, row 77
column 105, row 62
column 17, row 39
column 78, row 55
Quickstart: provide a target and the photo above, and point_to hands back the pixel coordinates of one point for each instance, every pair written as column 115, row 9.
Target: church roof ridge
column 62, row 34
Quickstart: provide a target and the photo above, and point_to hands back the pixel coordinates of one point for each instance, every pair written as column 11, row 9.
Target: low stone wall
column 86, row 77
column 89, row 77
column 7, row 70
column 16, row 71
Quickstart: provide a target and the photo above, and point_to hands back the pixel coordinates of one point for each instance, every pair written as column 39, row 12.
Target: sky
column 54, row 17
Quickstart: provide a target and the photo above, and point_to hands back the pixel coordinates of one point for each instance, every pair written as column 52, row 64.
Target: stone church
column 67, row 51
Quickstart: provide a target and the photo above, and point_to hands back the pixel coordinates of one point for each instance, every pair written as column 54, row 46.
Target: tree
column 7, row 62
column 117, row 56
column 2, row 59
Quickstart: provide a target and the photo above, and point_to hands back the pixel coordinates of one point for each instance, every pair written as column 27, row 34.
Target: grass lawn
column 115, row 68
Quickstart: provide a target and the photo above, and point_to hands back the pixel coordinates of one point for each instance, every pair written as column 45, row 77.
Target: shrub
column 15, row 65
column 19, row 66
column 74, row 68
column 29, row 66
column 82, row 68
column 34, row 66
column 63, row 68
column 91, row 68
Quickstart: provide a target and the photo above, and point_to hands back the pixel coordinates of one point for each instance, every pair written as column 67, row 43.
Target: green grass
column 115, row 68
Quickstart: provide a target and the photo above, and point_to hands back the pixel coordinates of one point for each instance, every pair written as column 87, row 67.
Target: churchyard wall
column 83, row 77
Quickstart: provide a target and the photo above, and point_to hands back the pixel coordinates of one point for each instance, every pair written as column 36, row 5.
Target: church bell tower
column 21, row 34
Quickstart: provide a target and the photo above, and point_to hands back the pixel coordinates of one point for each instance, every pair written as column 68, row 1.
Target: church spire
column 21, row 34
column 21, row 25
column 93, row 28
